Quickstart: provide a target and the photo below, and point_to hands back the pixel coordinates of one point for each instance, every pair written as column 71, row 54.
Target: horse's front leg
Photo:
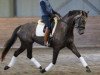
column 73, row 48
column 55, row 55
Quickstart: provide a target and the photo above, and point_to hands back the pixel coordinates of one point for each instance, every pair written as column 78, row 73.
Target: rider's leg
column 47, row 30
column 46, row 36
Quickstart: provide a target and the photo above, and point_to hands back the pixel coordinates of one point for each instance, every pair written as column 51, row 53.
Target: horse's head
column 80, row 22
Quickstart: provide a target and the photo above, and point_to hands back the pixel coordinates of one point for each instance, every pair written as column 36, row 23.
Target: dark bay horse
column 62, row 37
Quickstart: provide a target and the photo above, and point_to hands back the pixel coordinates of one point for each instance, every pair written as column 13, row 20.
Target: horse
column 62, row 37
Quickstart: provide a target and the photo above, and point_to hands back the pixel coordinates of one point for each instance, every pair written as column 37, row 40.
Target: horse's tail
column 9, row 43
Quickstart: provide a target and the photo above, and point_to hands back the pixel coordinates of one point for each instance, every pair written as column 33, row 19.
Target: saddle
column 41, row 26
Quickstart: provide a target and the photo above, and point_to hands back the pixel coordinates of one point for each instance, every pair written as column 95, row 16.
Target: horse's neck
column 69, row 27
column 65, row 27
column 69, row 21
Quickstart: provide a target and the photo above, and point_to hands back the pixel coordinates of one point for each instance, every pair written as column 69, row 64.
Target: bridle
column 78, row 25
column 64, row 21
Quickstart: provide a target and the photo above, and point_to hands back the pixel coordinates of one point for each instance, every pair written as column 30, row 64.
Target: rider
column 47, row 13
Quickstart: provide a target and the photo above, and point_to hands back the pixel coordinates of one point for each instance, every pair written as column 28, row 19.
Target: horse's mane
column 73, row 12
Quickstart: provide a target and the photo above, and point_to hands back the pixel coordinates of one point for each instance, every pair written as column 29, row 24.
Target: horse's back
column 27, row 31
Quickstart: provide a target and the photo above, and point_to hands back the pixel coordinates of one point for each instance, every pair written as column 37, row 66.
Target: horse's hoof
column 42, row 70
column 88, row 69
column 6, row 67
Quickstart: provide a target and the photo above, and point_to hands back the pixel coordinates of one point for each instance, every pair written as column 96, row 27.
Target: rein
column 66, row 22
column 60, row 18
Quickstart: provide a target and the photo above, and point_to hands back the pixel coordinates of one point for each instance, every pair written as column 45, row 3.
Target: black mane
column 84, row 13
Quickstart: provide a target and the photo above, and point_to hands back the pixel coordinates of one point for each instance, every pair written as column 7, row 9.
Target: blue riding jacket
column 46, row 11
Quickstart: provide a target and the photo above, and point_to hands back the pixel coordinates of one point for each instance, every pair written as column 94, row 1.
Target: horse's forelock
column 77, row 16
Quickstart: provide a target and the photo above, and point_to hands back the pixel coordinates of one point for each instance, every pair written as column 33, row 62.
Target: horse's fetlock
column 54, row 63
column 30, row 57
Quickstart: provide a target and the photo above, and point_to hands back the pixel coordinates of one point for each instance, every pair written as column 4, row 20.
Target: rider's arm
column 56, row 13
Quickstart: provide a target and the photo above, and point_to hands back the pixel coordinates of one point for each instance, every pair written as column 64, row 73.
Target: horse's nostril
column 81, row 32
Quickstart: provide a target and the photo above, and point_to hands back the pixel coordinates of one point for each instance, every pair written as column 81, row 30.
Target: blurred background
column 26, row 8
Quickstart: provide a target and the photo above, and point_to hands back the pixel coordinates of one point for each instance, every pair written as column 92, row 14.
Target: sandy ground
column 67, row 63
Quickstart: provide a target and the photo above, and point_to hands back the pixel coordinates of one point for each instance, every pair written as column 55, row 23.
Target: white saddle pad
column 40, row 27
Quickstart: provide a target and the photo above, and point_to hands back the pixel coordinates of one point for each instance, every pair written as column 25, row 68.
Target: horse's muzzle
column 81, row 32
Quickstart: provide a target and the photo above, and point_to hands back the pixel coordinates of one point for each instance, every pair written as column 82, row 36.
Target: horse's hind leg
column 17, row 52
column 29, row 55
column 73, row 48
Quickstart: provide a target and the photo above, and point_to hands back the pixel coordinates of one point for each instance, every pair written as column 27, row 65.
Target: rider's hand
column 59, row 17
column 52, row 15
